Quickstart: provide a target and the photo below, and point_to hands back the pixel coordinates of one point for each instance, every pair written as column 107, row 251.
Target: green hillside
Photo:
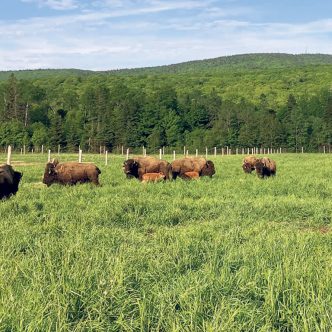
column 224, row 63
column 253, row 100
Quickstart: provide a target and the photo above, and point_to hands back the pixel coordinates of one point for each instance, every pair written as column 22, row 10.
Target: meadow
column 231, row 253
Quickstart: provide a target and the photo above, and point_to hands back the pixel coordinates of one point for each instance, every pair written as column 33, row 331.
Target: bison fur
column 9, row 181
column 70, row 173
column 137, row 167
column 249, row 163
column 265, row 167
column 192, row 164
column 153, row 177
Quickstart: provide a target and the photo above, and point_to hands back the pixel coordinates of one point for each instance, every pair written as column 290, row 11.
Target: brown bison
column 265, row 167
column 138, row 166
column 9, row 181
column 70, row 173
column 153, row 177
column 191, row 175
column 248, row 164
column 193, row 164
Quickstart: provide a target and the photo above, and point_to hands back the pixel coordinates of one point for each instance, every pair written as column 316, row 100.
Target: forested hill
column 239, row 62
column 254, row 100
column 234, row 62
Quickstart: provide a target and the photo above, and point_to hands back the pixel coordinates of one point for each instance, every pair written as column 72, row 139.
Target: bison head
column 50, row 174
column 247, row 167
column 208, row 169
column 16, row 181
column 261, row 169
column 130, row 168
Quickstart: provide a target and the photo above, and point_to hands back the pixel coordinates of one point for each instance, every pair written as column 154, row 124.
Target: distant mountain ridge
column 234, row 62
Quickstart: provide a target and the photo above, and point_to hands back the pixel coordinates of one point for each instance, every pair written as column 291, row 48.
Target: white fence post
column 127, row 153
column 80, row 156
column 206, row 152
column 173, row 155
column 106, row 157
column 160, row 153
column 49, row 156
column 196, row 152
column 9, row 155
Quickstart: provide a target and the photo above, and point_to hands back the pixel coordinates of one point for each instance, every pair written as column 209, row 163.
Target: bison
column 70, row 173
column 138, row 166
column 248, row 164
column 193, row 164
column 190, row 175
column 153, row 177
column 9, row 181
column 265, row 167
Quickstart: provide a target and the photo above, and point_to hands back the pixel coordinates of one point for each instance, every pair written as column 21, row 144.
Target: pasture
column 232, row 253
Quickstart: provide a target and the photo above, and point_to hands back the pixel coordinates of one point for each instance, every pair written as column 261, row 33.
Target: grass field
column 232, row 253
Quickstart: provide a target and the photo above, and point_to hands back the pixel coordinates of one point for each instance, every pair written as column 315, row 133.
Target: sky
column 114, row 34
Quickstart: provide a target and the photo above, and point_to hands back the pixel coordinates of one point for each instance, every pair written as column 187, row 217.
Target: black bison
column 70, row 173
column 153, row 177
column 138, row 166
column 9, row 181
column 193, row 164
column 248, row 164
column 265, row 167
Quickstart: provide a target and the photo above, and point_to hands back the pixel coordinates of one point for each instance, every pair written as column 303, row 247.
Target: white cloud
column 55, row 4
column 123, row 35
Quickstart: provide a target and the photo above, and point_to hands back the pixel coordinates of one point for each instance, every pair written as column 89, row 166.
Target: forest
column 254, row 100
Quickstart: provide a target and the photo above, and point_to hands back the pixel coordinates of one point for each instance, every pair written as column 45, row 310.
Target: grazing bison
column 138, row 166
column 248, row 164
column 153, row 177
column 190, row 175
column 193, row 164
column 70, row 173
column 9, row 181
column 265, row 167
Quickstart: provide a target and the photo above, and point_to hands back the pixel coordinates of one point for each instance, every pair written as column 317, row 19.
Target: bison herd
column 145, row 169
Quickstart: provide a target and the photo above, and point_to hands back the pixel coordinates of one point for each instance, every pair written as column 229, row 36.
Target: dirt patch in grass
column 22, row 163
column 321, row 230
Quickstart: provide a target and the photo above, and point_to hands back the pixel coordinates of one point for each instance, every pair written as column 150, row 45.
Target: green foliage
column 232, row 253
column 254, row 100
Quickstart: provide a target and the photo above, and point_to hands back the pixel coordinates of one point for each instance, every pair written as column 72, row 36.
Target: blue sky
column 112, row 34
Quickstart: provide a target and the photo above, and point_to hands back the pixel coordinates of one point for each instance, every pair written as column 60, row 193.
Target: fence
column 126, row 152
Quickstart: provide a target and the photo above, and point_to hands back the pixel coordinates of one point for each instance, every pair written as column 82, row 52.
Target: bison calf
column 9, row 181
column 190, row 175
column 70, row 173
column 153, row 177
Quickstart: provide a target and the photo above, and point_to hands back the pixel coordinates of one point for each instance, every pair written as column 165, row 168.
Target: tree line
column 100, row 110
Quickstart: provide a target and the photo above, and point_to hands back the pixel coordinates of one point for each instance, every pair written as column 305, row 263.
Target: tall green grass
column 232, row 253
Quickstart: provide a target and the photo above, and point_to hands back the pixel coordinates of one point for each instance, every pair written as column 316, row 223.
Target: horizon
column 105, row 35
column 172, row 64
